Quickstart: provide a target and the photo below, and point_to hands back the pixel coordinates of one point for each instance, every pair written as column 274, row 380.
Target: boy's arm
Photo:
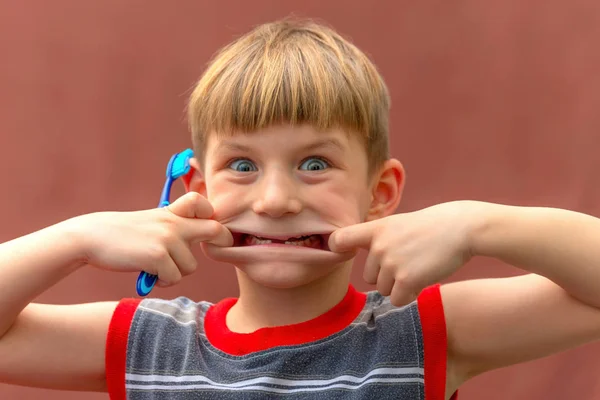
column 50, row 346
column 57, row 347
column 63, row 347
column 494, row 323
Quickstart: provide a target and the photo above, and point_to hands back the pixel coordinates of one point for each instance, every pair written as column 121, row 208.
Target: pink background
column 495, row 101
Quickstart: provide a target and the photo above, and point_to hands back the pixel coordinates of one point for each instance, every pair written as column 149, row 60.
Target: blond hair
column 297, row 72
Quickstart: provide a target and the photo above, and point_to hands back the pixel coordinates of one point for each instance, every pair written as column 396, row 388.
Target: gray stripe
column 276, row 390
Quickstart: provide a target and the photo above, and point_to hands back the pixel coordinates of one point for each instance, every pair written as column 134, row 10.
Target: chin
column 283, row 275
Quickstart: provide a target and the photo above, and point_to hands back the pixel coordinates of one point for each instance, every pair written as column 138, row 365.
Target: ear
column 194, row 181
column 386, row 190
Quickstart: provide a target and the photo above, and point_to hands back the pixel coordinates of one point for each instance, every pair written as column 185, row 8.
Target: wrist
column 485, row 225
column 69, row 236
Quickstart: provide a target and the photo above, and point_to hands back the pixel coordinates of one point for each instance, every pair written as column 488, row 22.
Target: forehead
column 286, row 138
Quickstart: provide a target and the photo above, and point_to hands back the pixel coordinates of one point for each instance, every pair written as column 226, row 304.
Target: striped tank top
column 363, row 348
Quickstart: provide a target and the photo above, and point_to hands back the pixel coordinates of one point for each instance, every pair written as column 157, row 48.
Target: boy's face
column 281, row 192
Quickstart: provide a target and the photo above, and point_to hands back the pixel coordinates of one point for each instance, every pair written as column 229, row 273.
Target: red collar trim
column 238, row 344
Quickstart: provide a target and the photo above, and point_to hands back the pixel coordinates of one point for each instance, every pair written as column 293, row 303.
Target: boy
column 291, row 177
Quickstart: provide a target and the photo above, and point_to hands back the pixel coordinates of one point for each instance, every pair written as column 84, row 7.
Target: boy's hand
column 157, row 241
column 408, row 252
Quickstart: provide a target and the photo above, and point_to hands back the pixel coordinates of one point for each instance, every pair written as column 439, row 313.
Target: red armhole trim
column 435, row 342
column 116, row 347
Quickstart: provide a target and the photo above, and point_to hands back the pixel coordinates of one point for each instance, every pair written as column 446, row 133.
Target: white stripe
column 180, row 322
column 275, row 381
column 176, row 303
column 275, row 390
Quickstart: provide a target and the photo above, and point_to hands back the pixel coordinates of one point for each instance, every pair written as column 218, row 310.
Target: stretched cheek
column 343, row 210
column 222, row 200
column 353, row 203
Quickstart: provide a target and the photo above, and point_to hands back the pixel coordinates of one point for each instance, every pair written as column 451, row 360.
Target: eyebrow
column 231, row 145
column 324, row 143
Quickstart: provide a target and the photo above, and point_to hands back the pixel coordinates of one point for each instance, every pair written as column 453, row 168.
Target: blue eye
column 242, row 165
column 314, row 164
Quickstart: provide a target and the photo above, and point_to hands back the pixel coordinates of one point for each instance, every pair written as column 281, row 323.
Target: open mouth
column 313, row 241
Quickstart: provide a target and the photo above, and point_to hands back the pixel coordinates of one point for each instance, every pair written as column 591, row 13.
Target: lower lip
column 274, row 252
column 291, row 246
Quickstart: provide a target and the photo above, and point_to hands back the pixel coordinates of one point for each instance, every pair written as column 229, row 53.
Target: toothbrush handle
column 145, row 281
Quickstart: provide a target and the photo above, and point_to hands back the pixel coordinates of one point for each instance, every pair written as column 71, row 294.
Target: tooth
column 253, row 240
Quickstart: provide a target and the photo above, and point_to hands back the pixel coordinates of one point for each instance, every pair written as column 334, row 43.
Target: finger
column 182, row 256
column 167, row 271
column 352, row 237
column 191, row 205
column 206, row 230
column 223, row 237
column 385, row 281
column 371, row 271
column 402, row 295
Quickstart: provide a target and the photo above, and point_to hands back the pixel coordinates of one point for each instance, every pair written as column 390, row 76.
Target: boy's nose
column 277, row 196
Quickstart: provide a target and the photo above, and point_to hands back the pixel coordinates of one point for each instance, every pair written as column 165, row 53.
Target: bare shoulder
column 57, row 346
column 494, row 323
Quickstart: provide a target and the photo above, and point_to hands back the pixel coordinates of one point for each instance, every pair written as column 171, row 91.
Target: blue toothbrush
column 178, row 166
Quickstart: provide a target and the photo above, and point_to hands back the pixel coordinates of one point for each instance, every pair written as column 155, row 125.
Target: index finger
column 352, row 237
column 207, row 230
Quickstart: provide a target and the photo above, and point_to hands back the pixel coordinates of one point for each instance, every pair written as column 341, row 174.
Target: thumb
column 352, row 237
column 191, row 205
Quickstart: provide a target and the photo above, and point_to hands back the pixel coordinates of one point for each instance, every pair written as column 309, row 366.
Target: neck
column 260, row 307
